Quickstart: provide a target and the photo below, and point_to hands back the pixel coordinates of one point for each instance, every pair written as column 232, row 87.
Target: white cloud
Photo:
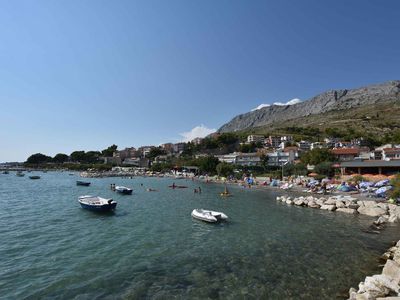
column 290, row 102
column 198, row 131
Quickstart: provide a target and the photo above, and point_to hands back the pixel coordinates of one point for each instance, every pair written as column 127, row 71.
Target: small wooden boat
column 95, row 203
column 123, row 190
column 83, row 183
column 34, row 177
column 177, row 186
column 209, row 215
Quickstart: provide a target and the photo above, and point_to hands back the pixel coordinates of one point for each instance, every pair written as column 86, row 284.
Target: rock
column 381, row 220
column 371, row 211
column 330, row 202
column 313, row 204
column 360, row 203
column 388, row 298
column 339, row 204
column 328, row 207
column 299, row 202
column 383, row 205
column 347, row 210
column 353, row 206
column 392, row 270
column 393, row 219
column 377, row 286
column 278, row 198
column 310, row 198
column 290, row 202
column 333, row 100
column 320, row 202
column 371, row 203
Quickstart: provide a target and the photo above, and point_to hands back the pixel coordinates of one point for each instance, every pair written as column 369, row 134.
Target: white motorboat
column 123, row 190
column 96, row 203
column 208, row 215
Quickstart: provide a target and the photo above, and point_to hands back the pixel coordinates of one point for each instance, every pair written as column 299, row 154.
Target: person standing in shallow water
column 199, row 189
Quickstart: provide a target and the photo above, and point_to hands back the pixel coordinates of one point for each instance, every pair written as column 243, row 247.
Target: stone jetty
column 380, row 286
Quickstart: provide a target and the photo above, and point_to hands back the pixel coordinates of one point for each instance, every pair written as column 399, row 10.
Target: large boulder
column 372, row 211
column 347, row 210
column 339, row 204
column 320, row 202
column 299, row 202
column 353, row 206
column 289, row 201
column 392, row 270
column 313, row 204
column 328, row 207
column 330, row 202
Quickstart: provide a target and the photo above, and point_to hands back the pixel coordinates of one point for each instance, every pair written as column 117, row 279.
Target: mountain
column 329, row 107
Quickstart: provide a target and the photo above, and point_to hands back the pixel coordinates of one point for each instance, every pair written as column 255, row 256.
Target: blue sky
column 82, row 75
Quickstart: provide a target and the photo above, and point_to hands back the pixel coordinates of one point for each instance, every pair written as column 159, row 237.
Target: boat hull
column 82, row 183
column 99, row 208
column 125, row 192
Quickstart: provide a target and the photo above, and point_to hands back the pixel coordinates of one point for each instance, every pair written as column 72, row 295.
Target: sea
column 151, row 248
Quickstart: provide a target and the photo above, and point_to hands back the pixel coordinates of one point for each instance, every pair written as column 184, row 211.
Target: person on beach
column 199, row 189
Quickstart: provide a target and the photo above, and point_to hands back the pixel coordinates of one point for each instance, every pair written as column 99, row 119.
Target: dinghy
column 209, row 215
column 96, row 203
column 34, row 177
column 84, row 183
column 123, row 190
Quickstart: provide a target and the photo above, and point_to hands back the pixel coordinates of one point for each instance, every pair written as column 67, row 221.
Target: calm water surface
column 151, row 248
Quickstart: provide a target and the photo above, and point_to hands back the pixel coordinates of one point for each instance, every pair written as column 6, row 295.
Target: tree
column 316, row 156
column 208, row 164
column 154, row 152
column 109, row 151
column 91, row 157
column 60, row 158
column 78, row 156
column 38, row 158
column 325, row 168
column 224, row 169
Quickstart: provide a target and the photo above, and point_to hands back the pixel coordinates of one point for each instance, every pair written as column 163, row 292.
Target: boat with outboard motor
column 123, row 190
column 83, row 183
column 208, row 215
column 96, row 203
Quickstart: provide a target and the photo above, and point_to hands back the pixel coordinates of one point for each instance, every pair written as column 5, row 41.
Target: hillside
column 373, row 108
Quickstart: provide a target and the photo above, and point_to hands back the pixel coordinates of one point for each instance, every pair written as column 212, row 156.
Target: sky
column 82, row 75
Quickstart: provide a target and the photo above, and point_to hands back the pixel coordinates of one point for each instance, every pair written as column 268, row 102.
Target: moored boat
column 20, row 174
column 208, row 215
column 83, row 183
column 96, row 203
column 123, row 190
column 34, row 177
column 6, row 172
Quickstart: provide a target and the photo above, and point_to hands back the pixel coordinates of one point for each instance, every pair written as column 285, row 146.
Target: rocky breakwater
column 377, row 287
column 382, row 286
column 384, row 212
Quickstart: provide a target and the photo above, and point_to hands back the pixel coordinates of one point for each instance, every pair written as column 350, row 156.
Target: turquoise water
column 151, row 247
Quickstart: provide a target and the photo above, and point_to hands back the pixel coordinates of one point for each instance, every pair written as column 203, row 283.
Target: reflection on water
column 152, row 248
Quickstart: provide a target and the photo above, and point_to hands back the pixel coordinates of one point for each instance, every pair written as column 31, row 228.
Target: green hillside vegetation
column 379, row 123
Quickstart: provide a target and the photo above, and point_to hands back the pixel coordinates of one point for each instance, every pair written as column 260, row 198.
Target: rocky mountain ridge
column 334, row 100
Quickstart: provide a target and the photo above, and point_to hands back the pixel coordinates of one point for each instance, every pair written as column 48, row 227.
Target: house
column 346, row 154
column 179, row 147
column 390, row 153
column 127, row 152
column 253, row 138
column 317, row 145
column 145, row 150
column 304, row 145
column 279, row 158
column 274, row 141
column 167, row 147
column 197, row 141
column 243, row 159
column 248, row 159
column 136, row 162
column 370, row 167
